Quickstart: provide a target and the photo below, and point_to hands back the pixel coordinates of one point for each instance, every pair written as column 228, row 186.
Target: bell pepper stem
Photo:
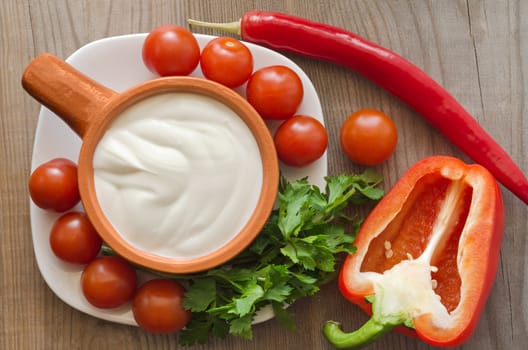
column 369, row 332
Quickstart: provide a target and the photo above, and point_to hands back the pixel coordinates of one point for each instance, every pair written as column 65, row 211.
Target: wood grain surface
column 477, row 49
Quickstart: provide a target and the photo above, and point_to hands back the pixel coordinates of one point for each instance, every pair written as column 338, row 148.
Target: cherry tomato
column 53, row 185
column 226, row 61
column 275, row 92
column 368, row 137
column 108, row 282
column 74, row 239
column 171, row 50
column 157, row 306
column 300, row 140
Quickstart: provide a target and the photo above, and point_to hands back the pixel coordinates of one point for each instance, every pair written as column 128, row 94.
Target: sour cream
column 178, row 174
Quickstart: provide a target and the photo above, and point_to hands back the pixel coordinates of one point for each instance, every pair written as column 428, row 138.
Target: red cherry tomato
column 171, row 50
column 300, row 140
column 275, row 92
column 108, row 282
column 53, row 185
column 226, row 61
column 74, row 239
column 368, row 137
column 157, row 306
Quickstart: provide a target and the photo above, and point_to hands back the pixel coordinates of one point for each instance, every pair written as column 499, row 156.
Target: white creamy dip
column 178, row 174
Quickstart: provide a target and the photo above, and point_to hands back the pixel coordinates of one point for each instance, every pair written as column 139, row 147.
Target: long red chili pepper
column 389, row 70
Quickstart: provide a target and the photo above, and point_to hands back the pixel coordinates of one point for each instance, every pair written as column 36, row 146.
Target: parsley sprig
column 294, row 255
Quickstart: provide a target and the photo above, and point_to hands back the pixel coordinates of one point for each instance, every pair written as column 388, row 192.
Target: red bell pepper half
column 426, row 255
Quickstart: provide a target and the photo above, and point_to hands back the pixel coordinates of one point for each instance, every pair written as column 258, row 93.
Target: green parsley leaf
column 242, row 327
column 245, row 303
column 285, row 318
column 201, row 295
column 297, row 251
column 197, row 330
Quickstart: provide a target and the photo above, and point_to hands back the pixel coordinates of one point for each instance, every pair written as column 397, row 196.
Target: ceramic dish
column 117, row 64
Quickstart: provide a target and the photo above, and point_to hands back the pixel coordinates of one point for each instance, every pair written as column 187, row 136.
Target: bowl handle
column 70, row 94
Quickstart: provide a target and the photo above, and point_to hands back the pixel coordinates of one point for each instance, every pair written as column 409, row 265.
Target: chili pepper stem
column 230, row 27
column 365, row 335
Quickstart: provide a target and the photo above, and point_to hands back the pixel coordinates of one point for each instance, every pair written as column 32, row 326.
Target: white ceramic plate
column 117, row 64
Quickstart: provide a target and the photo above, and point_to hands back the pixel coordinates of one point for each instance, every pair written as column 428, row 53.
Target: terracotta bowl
column 89, row 108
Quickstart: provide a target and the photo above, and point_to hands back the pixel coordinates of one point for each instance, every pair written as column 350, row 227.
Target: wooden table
column 477, row 49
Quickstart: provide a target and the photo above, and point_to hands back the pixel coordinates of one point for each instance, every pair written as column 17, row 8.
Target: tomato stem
column 230, row 27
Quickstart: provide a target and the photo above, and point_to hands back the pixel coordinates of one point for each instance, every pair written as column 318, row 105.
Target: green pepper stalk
column 373, row 329
column 369, row 332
